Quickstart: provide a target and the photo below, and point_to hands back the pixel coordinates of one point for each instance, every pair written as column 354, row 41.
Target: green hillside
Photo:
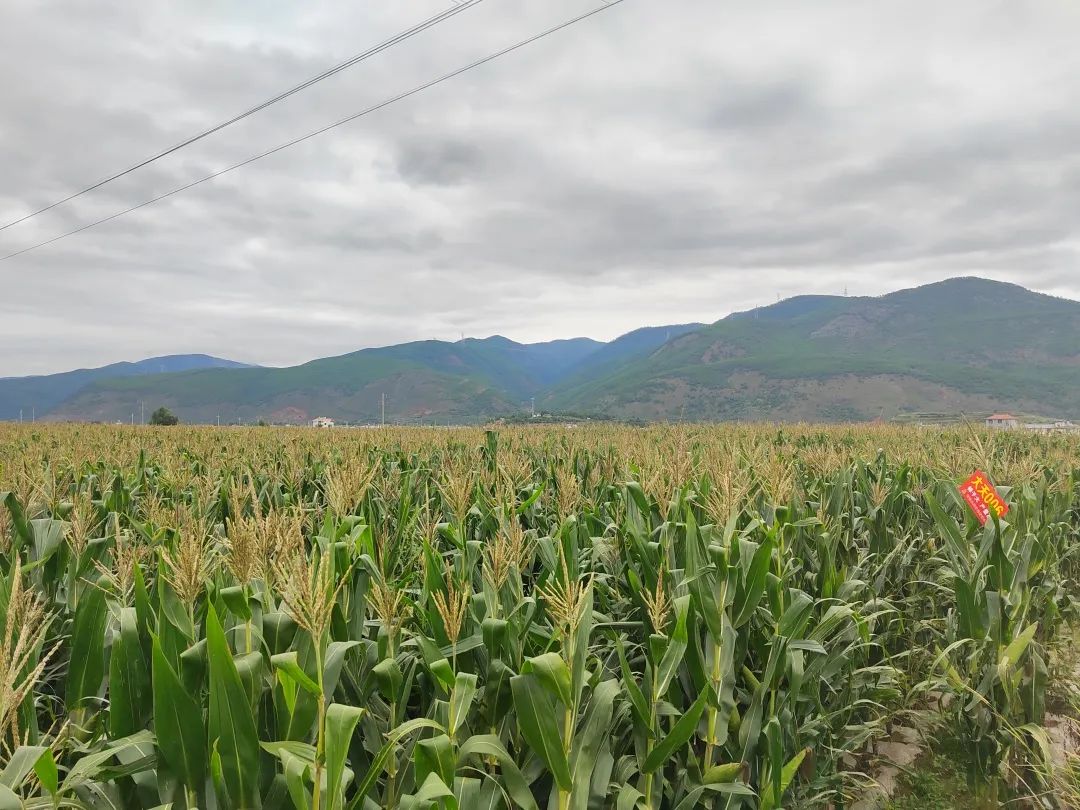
column 468, row 381
column 964, row 344
column 427, row 379
column 610, row 357
column 960, row 346
column 41, row 394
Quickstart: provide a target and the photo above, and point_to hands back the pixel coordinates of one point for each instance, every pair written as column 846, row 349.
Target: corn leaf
column 231, row 731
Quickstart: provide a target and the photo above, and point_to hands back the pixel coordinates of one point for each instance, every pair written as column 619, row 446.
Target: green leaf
column 537, row 715
column 287, row 663
column 251, row 669
column 724, row 697
column 192, row 662
column 22, row 761
column 129, row 683
column 705, row 583
column 297, row 774
column 306, row 751
column 143, row 609
column 676, row 648
column 807, row 645
column 92, row 767
column 495, row 633
column 1042, row 742
column 774, row 738
column 488, row 745
column 172, row 609
column 433, row 789
column 278, row 631
column 9, row 800
column 1018, row 645
column 333, row 662
column 553, row 674
column 693, row 796
column 470, row 793
column 955, row 544
column 461, row 700
column 48, row 537
column 679, row 735
column 389, row 678
column 443, row 673
column 236, row 600
column 638, row 705
column 797, row 616
column 232, row 732
column 18, row 519
column 589, row 740
column 379, row 761
column 341, row 722
column 722, row 774
column 86, row 669
column 435, row 755
column 178, row 723
column 750, row 729
column 47, row 773
column 748, row 597
column 629, row 798
column 581, row 641
column 787, row 775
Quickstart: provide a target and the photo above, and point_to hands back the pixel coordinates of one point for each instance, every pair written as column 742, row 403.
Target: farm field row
column 602, row 617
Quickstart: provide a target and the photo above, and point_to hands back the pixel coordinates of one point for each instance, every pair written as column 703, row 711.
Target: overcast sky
column 662, row 162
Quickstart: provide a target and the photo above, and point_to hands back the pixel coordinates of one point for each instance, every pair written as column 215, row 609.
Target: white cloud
column 662, row 162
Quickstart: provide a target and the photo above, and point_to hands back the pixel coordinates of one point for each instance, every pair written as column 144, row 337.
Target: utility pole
column 142, row 412
column 20, row 416
column 33, row 414
column 532, row 406
column 219, row 420
column 384, row 409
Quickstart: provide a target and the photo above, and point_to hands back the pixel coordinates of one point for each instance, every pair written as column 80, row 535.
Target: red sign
column 983, row 499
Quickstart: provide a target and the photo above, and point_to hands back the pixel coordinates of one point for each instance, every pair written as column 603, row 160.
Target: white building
column 1002, row 421
column 1054, row 427
column 322, row 422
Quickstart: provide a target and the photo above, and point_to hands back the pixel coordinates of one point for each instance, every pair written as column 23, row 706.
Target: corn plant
column 653, row 618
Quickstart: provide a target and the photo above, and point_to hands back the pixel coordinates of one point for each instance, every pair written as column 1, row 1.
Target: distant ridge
column 962, row 345
column 468, row 381
column 40, row 394
column 966, row 345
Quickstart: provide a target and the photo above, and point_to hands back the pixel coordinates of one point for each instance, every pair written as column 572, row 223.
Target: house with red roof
column 1002, row 421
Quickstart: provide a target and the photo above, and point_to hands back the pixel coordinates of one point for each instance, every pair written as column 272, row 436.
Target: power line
column 360, row 57
column 385, row 103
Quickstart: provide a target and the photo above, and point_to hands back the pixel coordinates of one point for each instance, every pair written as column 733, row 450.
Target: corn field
column 670, row 617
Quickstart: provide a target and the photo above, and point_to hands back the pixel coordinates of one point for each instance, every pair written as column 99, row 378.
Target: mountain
column 610, row 357
column 961, row 346
column 470, row 380
column 526, row 368
column 41, row 394
column 966, row 344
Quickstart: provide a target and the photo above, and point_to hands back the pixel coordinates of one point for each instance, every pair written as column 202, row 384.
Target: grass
column 937, row 782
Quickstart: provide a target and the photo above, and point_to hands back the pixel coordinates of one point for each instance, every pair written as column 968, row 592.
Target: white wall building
column 1053, row 427
column 322, row 422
